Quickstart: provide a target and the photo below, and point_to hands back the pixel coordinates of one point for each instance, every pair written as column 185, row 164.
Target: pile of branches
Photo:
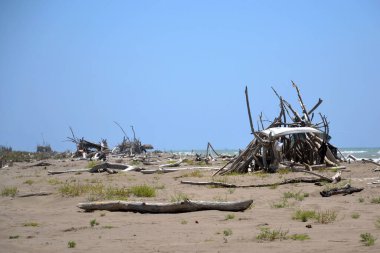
column 292, row 138
column 88, row 149
column 130, row 147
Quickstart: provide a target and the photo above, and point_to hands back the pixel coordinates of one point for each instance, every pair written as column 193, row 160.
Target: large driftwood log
column 286, row 181
column 179, row 207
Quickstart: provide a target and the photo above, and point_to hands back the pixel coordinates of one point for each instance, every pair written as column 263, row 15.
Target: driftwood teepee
column 292, row 138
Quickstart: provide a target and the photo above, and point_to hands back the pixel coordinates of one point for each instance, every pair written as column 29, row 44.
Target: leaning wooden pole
column 249, row 110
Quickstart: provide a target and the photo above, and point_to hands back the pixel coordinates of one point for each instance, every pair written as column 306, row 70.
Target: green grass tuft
column 29, row 182
column 375, row 200
column 229, row 216
column 299, row 237
column 227, row 232
column 195, row 173
column 325, row 217
column 71, row 244
column 31, row 224
column 179, row 197
column 304, row 215
column 355, row 215
column 296, row 195
column 377, row 223
column 91, row 164
column 281, row 204
column 93, row 223
column 9, row 191
column 367, row 239
column 142, row 191
column 270, row 235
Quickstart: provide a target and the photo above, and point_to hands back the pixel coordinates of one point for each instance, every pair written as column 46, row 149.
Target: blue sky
column 176, row 70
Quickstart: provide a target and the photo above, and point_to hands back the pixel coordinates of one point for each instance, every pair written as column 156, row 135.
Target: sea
column 360, row 153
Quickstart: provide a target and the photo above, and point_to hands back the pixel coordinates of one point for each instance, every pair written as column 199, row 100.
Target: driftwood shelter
column 292, row 138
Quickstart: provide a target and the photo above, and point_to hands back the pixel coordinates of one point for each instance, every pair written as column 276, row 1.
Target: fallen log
column 67, row 171
column 348, row 189
column 286, row 181
column 34, row 194
column 178, row 207
column 176, row 164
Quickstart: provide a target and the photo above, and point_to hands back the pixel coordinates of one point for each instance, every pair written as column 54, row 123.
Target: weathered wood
column 286, row 181
column 34, row 194
column 249, row 110
column 178, row 207
column 50, row 172
column 176, row 164
column 345, row 191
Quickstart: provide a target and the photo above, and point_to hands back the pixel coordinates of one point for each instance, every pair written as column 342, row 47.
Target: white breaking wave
column 355, row 152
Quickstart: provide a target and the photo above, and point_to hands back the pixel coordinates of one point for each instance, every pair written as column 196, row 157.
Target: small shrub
column 195, row 173
column 229, row 216
column 361, row 200
column 183, row 222
column 94, row 223
column 29, row 182
column 325, row 217
column 377, row 223
column 107, row 227
column 273, row 186
column 270, row 235
column 283, row 171
column 299, row 237
column 296, row 195
column 102, row 214
column 367, row 239
column 71, row 244
column 304, row 215
column 9, row 191
column 14, row 236
column 54, row 181
column 282, row 204
column 31, row 224
column 355, row 216
column 142, row 191
column 227, row 232
column 179, row 197
column 375, row 200
column 231, row 190
column 115, row 193
column 91, row 164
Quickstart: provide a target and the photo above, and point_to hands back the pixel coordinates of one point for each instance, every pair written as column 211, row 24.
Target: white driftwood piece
column 178, row 207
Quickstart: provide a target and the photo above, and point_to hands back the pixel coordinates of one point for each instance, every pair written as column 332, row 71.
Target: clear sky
column 176, row 70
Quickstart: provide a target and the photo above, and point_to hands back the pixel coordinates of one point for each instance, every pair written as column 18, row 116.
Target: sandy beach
column 49, row 223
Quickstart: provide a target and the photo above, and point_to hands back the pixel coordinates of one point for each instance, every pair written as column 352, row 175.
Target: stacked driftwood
column 292, row 138
column 130, row 147
column 88, row 149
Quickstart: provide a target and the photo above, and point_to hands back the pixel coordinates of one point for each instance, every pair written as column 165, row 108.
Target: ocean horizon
column 360, row 153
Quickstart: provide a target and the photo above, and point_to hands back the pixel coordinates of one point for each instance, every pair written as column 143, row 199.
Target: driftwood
column 34, row 194
column 348, row 189
column 179, row 207
column 370, row 161
column 176, row 164
column 291, row 137
column 286, row 181
column 104, row 167
column 50, row 172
